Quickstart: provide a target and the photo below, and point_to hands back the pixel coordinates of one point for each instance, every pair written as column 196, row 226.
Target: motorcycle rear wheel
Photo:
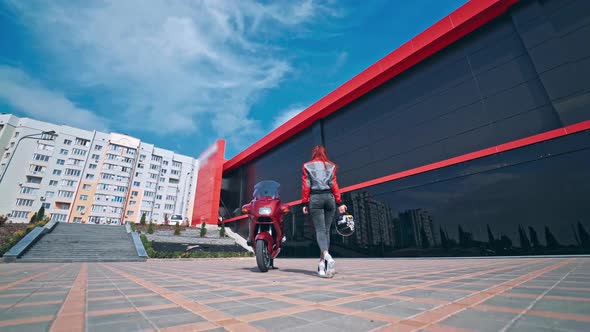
column 262, row 256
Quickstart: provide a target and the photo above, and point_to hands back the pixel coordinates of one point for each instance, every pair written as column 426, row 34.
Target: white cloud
column 174, row 65
column 286, row 115
column 31, row 97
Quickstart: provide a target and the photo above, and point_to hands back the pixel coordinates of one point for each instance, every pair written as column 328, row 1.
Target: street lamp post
column 51, row 133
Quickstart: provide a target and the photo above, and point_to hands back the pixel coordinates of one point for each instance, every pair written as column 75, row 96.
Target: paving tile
column 244, row 310
column 368, row 303
column 353, row 324
column 479, row 320
column 566, row 307
column 535, row 323
column 317, row 315
column 280, row 323
column 508, row 301
column 42, row 326
column 99, row 305
column 177, row 319
column 148, row 301
column 29, row 311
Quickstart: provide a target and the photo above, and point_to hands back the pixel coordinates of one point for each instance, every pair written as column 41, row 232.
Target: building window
column 149, row 194
column 134, row 193
column 68, row 183
column 78, row 220
column 129, row 213
column 136, row 183
column 67, row 141
column 131, row 203
column 127, row 160
column 111, row 156
column 82, row 142
column 49, row 193
column 65, row 193
column 64, row 152
column 75, row 162
column 60, row 162
column 95, row 157
column 92, row 166
column 40, row 157
column 89, row 176
column 16, row 134
column 159, row 197
column 6, row 155
column 73, row 172
column 98, row 147
column 53, row 182
column 37, row 169
column 24, row 202
column 58, row 217
column 19, row 214
column 80, row 208
column 78, row 152
column 176, row 164
column 45, row 147
column 173, row 181
column 141, row 157
column 153, row 176
column 34, row 179
column 86, row 187
column 83, row 197
column 57, row 172
column 46, row 205
column 169, row 207
column 29, row 191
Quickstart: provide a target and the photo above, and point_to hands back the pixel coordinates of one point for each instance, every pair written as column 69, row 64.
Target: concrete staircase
column 83, row 243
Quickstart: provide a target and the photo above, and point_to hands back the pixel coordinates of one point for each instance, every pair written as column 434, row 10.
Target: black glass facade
column 524, row 73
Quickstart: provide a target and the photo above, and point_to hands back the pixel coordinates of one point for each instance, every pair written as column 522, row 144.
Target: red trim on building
column 461, row 22
column 546, row 136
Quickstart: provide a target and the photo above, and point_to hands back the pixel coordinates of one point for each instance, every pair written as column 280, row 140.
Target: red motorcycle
column 265, row 213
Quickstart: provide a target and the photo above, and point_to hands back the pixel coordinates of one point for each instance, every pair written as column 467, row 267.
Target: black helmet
column 345, row 225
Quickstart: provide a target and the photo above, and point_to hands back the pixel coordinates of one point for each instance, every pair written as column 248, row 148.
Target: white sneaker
column 322, row 269
column 330, row 269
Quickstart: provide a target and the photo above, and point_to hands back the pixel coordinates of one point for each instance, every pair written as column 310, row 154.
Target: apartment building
column 89, row 176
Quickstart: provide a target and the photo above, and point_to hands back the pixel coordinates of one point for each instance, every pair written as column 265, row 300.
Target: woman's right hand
column 305, row 210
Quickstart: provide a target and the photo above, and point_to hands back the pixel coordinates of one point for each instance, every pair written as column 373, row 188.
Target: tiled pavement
column 518, row 294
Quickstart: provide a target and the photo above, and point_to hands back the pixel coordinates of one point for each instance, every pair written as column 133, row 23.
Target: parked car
column 176, row 218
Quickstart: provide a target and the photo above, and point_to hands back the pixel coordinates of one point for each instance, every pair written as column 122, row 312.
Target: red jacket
column 320, row 176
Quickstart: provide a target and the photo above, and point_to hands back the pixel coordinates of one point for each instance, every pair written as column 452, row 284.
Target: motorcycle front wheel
column 262, row 256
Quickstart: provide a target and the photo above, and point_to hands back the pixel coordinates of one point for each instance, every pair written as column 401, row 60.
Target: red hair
column 319, row 152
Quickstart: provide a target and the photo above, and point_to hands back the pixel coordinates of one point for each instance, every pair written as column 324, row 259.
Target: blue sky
column 180, row 74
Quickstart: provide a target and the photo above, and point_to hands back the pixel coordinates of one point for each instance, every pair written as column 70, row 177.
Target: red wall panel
column 208, row 191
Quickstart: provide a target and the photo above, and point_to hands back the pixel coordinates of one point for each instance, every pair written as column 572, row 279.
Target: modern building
column 473, row 137
column 89, row 176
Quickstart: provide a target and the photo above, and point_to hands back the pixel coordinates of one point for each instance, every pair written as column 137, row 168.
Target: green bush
column 177, row 229
column 142, row 220
column 179, row 254
column 33, row 218
column 203, row 230
column 222, row 230
column 41, row 213
column 133, row 227
column 3, row 220
column 150, row 229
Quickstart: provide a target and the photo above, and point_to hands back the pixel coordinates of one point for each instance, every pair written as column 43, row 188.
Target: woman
column 320, row 196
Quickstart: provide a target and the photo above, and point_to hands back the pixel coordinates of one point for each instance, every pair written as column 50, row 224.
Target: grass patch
column 13, row 239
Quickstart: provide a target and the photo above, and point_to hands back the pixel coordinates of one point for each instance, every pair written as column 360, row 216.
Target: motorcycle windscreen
column 266, row 188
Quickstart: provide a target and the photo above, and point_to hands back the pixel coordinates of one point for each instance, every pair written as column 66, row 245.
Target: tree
column 203, row 230
column 142, row 220
column 491, row 238
column 550, row 239
column 34, row 218
column 443, row 238
column 150, row 229
column 177, row 229
column 425, row 242
column 584, row 236
column 222, row 230
column 534, row 238
column 41, row 213
column 524, row 240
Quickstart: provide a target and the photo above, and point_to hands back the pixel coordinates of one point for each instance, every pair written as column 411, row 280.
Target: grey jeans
column 322, row 208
